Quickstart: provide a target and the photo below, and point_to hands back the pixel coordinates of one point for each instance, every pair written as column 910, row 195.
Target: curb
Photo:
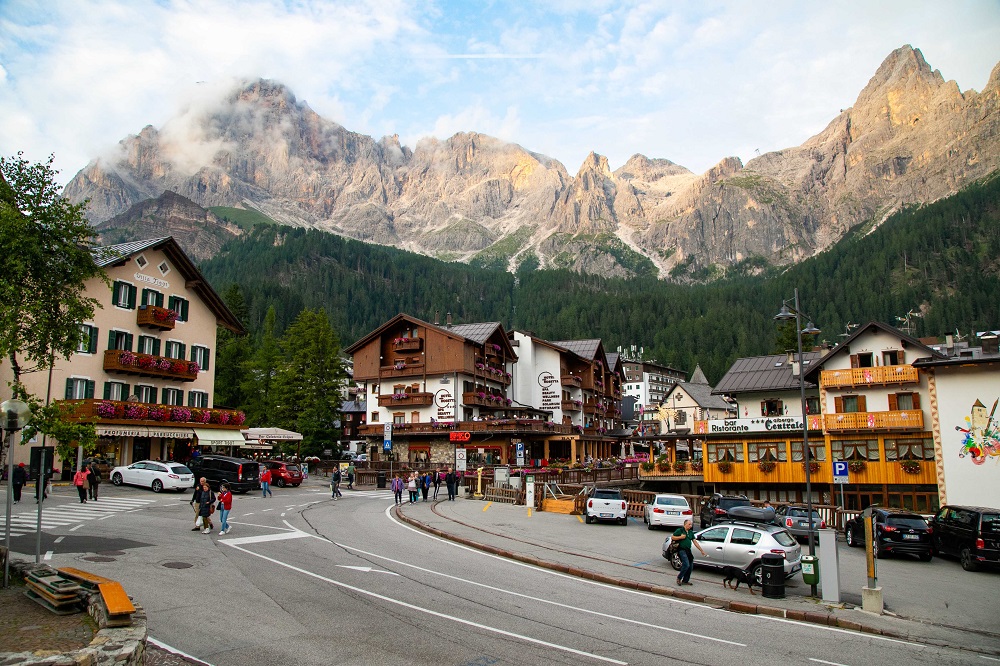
column 826, row 619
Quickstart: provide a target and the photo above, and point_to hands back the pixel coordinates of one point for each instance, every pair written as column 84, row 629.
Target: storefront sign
column 143, row 431
column 256, row 446
column 176, row 433
column 148, row 279
column 551, row 395
column 121, row 431
column 762, row 424
column 459, row 436
column 445, row 403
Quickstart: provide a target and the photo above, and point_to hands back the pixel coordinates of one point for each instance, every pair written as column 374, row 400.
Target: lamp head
column 14, row 415
column 785, row 314
column 810, row 329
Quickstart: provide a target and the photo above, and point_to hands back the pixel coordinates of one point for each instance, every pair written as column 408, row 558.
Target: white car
column 667, row 511
column 154, row 474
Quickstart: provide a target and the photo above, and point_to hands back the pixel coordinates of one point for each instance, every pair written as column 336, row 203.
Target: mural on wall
column 982, row 436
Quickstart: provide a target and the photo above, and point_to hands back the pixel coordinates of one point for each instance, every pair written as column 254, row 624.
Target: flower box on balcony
column 107, row 411
column 126, row 362
column 407, row 344
column 857, row 466
column 724, row 467
column 910, row 466
column 152, row 316
column 766, row 466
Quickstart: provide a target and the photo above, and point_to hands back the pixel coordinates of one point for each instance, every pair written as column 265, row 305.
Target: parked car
column 241, row 474
column 896, row 531
column 971, row 533
column 741, row 545
column 794, row 518
column 284, row 474
column 154, row 474
column 667, row 511
column 717, row 508
column 607, row 504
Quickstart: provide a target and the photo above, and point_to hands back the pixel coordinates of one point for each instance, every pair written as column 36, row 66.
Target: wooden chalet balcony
column 482, row 399
column 571, row 380
column 908, row 419
column 151, row 316
column 522, row 426
column 147, row 365
column 138, row 413
column 402, row 369
column 406, row 400
column 589, row 408
column 491, row 372
column 571, row 405
column 878, row 376
column 407, row 344
column 668, row 471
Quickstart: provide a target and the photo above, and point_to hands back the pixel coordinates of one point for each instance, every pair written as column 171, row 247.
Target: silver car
column 667, row 511
column 741, row 545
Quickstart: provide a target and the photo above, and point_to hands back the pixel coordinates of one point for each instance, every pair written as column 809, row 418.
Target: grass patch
column 244, row 218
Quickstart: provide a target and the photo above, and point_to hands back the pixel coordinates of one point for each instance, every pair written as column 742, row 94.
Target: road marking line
column 411, row 608
column 982, row 656
column 831, row 663
column 74, row 529
column 174, row 650
column 265, row 537
column 266, row 510
column 48, row 555
column 367, row 569
column 266, row 527
column 540, row 599
column 579, row 517
column 283, row 515
column 59, row 540
column 248, row 514
column 106, row 517
column 487, row 506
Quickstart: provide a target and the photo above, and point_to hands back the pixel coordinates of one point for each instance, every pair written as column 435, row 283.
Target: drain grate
column 177, row 565
column 98, row 558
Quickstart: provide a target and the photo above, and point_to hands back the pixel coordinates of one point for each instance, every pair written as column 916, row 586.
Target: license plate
column 673, row 513
column 911, row 537
column 606, row 515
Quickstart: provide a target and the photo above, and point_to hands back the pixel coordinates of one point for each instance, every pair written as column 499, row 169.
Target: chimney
column 437, row 317
column 991, row 343
column 449, row 320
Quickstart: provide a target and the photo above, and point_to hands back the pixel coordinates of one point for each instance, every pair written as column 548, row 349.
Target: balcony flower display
column 400, row 341
column 237, row 418
column 399, row 396
column 813, row 466
column 222, row 418
column 165, row 316
column 127, row 358
column 857, row 466
column 578, row 403
column 725, row 467
column 766, row 466
column 697, row 466
column 144, row 362
column 578, row 428
column 480, row 366
column 136, row 411
column 200, row 415
column 910, row 466
column 680, row 465
column 508, row 401
column 495, row 347
column 110, row 410
column 180, row 414
column 646, row 466
column 155, row 413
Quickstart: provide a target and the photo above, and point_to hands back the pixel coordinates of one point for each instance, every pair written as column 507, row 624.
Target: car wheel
column 675, row 562
column 589, row 519
column 757, row 573
column 650, row 525
column 157, row 485
column 117, row 479
column 968, row 563
column 623, row 521
column 852, row 541
column 926, row 557
column 280, row 483
column 295, row 485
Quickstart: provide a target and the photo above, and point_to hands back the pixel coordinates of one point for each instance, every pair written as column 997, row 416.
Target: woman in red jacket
column 226, row 505
column 265, row 483
column 81, row 483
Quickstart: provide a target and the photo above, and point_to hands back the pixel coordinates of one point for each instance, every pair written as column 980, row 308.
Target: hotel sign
column 148, row 279
column 763, row 424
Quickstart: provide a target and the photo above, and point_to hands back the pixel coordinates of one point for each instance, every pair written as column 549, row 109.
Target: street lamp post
column 786, row 315
column 14, row 415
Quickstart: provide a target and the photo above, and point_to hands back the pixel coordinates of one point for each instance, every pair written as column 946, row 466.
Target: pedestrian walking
column 94, row 477
column 197, row 508
column 19, row 479
column 451, row 481
column 205, row 499
column 265, row 484
column 425, row 484
column 436, row 480
column 225, row 506
column 397, row 490
column 350, row 476
column 684, row 538
column 42, row 485
column 335, row 483
column 411, row 485
column 80, row 481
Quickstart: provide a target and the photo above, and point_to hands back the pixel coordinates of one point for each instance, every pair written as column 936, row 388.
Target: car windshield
column 730, row 503
column 913, row 522
column 672, row 501
column 991, row 522
column 292, row 468
column 179, row 469
column 784, row 538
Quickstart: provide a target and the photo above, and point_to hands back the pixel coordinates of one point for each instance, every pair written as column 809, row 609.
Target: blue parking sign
column 840, row 472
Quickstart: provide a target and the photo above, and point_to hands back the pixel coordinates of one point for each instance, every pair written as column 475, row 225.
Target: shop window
column 860, row 449
column 770, row 451
column 909, row 449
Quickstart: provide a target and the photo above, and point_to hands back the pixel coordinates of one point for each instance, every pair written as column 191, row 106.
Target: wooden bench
column 84, row 576
column 115, row 599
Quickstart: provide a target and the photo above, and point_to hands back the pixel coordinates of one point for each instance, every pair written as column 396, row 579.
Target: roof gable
column 908, row 342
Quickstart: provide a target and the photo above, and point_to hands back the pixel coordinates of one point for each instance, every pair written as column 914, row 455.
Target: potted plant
column 725, row 467
column 766, row 466
column 697, row 466
column 647, row 466
column 857, row 466
column 910, row 466
column 680, row 465
column 813, row 466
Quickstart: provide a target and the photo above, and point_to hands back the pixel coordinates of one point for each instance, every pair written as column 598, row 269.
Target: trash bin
column 380, row 483
column 772, row 575
column 810, row 570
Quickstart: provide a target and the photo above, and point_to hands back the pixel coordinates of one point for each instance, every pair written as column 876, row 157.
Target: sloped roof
column 585, row 348
column 478, row 333
column 110, row 255
column 701, row 393
column 765, row 373
column 909, row 342
column 698, row 376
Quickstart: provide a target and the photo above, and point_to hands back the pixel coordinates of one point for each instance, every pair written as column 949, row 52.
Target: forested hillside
column 940, row 259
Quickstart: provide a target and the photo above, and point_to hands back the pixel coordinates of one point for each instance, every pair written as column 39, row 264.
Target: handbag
column 220, row 507
column 673, row 548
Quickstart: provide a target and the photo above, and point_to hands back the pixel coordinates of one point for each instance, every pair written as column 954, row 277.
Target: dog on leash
column 737, row 576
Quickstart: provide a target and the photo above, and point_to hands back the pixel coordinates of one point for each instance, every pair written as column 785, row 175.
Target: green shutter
column 184, row 308
column 116, row 288
column 89, row 390
column 125, row 391
column 69, row 389
column 128, row 341
column 145, row 292
column 152, row 395
column 92, row 342
column 107, row 390
column 131, row 296
column 156, row 346
column 191, row 399
column 183, row 351
column 112, row 339
column 159, row 300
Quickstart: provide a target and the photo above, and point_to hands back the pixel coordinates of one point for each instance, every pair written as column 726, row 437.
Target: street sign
column 459, row 436
column 519, row 447
column 460, row 460
column 840, row 472
column 529, row 490
column 387, row 438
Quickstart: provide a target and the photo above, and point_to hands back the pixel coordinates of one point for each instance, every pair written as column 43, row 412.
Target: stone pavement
column 561, row 543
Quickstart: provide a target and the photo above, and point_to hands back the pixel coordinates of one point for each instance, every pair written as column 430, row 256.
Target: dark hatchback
column 717, row 508
column 795, row 519
column 896, row 531
column 970, row 533
column 241, row 474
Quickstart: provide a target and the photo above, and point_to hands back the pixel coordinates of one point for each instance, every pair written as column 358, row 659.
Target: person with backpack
column 18, row 481
column 205, row 499
column 80, row 481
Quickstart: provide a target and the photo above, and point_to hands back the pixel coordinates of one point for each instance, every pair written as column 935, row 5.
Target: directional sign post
column 519, row 447
column 841, row 477
column 460, row 460
column 387, row 438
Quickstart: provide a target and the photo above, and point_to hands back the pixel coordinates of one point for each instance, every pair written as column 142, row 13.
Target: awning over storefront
column 272, row 434
column 207, row 437
column 165, row 432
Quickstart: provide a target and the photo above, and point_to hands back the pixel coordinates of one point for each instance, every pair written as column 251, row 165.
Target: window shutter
column 781, row 408
column 204, row 356
column 92, row 342
column 69, row 389
column 183, row 351
column 901, row 357
column 916, row 400
column 112, row 339
column 763, row 408
column 855, row 363
column 89, row 390
column 128, row 342
column 838, row 405
column 152, row 395
column 156, row 347
column 862, row 404
column 116, row 288
column 191, row 399
column 893, row 402
column 145, row 297
column 107, row 390
column 125, row 391
column 184, row 310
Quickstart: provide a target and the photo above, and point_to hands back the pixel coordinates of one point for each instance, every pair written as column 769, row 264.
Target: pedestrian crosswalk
column 56, row 516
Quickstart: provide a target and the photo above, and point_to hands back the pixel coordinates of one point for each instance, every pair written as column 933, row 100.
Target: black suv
column 240, row 473
column 896, row 531
column 717, row 508
column 971, row 533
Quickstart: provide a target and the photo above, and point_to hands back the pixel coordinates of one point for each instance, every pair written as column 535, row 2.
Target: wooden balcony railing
column 908, row 419
column 571, row 405
column 482, row 399
column 139, row 413
column 403, row 369
column 407, row 344
column 406, row 400
column 589, row 408
column 151, row 316
column 878, row 376
column 522, row 426
column 147, row 365
column 571, row 380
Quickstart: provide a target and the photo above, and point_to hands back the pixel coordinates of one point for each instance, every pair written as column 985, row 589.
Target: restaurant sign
column 763, row 424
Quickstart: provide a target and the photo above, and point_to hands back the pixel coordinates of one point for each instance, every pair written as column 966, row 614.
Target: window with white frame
column 173, row 396
column 79, row 388
column 173, row 349
column 909, row 449
column 768, row 451
column 88, row 339
column 148, row 345
column 200, row 356
column 855, row 449
column 180, row 306
column 197, row 399
column 724, row 452
column 116, row 391
column 145, row 393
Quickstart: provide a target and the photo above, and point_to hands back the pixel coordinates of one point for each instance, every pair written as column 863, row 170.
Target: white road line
column 982, row 656
column 411, row 608
column 59, row 540
column 266, row 510
column 265, row 537
column 248, row 514
column 106, row 517
column 74, row 529
column 540, row 600
column 48, row 555
column 830, row 663
column 266, row 527
column 164, row 646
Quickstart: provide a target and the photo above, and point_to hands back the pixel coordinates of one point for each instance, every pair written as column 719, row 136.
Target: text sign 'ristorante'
column 762, row 424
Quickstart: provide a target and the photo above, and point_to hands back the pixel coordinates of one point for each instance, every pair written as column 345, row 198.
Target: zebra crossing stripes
column 64, row 515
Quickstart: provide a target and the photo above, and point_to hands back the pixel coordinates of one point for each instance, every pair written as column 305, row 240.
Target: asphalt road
column 305, row 580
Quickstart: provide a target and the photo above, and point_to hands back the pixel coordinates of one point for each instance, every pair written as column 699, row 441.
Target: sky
column 692, row 82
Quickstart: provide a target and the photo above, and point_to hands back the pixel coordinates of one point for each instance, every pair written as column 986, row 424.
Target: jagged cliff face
column 910, row 137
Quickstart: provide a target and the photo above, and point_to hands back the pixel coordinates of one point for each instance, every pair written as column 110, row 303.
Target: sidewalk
column 607, row 554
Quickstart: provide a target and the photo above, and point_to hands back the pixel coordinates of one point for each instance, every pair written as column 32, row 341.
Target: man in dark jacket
column 18, row 480
column 451, row 480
